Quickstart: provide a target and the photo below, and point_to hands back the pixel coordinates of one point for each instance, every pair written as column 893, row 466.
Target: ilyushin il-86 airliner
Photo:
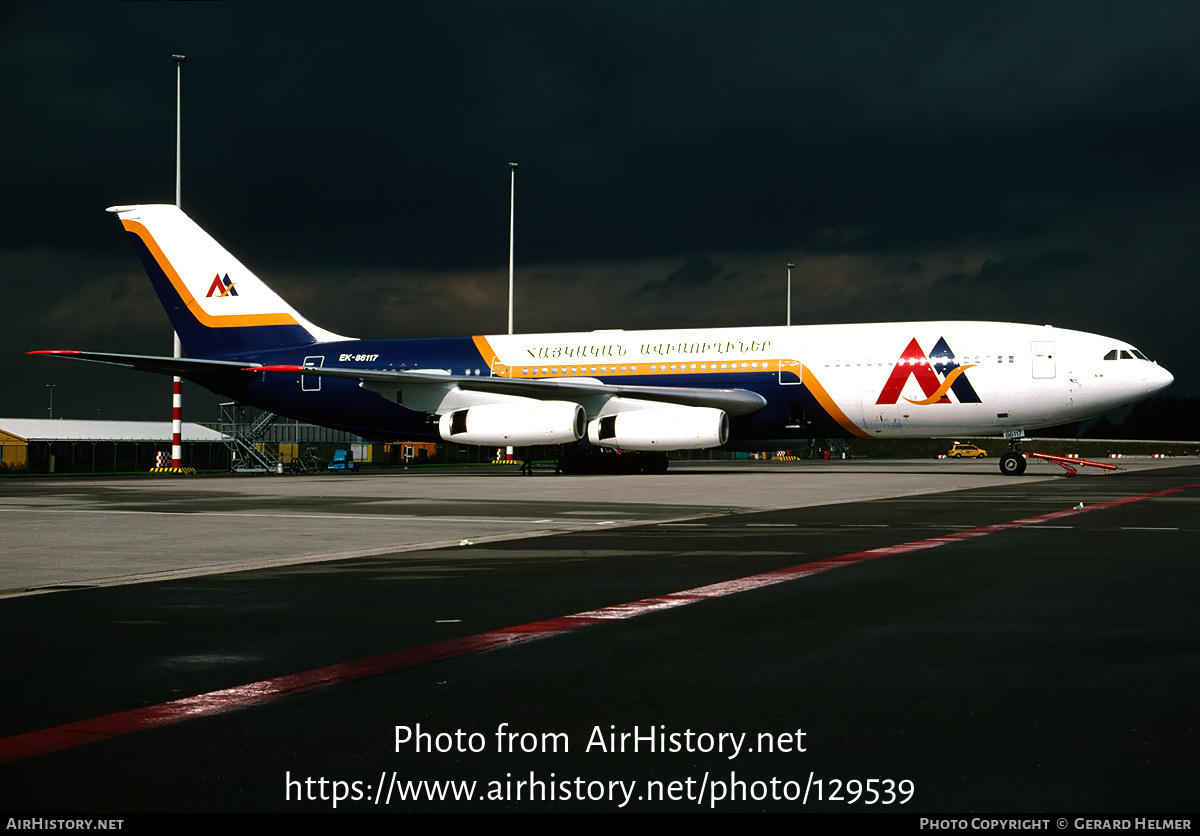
column 750, row 388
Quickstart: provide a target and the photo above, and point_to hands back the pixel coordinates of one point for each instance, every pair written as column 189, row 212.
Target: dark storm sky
column 1033, row 162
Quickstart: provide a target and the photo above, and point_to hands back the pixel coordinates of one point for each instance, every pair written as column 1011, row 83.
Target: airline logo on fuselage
column 221, row 287
column 926, row 369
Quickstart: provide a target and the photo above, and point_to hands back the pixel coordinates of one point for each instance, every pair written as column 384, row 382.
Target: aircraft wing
column 146, row 363
column 732, row 401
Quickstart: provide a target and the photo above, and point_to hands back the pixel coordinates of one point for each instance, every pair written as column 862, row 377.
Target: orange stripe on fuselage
column 207, row 319
column 489, row 356
column 639, row 369
column 829, row 404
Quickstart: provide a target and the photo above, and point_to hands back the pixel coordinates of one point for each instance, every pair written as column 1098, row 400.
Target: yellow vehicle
column 959, row 449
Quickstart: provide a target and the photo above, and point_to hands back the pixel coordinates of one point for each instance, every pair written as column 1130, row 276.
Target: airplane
column 748, row 388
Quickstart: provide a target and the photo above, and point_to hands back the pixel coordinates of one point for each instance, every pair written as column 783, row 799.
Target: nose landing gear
column 1013, row 462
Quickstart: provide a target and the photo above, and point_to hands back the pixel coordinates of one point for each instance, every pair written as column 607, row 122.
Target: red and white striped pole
column 177, row 426
column 177, row 417
column 177, row 383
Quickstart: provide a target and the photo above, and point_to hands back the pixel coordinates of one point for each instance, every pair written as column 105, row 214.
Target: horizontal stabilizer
column 181, row 366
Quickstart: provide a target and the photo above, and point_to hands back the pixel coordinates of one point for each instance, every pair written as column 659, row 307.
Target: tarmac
column 921, row 637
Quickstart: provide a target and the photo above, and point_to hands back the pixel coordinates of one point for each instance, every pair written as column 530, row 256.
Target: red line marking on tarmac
column 44, row 741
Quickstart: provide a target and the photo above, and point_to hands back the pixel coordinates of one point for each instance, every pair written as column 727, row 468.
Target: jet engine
column 665, row 428
column 515, row 423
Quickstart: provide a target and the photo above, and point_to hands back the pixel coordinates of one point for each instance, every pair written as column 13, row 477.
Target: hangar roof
column 45, row 429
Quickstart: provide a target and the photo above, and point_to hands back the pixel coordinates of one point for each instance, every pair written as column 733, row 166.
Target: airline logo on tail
column 221, row 287
column 914, row 363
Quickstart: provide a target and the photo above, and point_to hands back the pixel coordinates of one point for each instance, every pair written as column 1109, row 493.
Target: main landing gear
column 606, row 461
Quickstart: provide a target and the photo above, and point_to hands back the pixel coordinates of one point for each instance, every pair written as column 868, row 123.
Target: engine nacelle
column 515, row 423
column 666, row 428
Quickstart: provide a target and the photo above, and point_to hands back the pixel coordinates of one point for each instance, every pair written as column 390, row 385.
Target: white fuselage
column 875, row 379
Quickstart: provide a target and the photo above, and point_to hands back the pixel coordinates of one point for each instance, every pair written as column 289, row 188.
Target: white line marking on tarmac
column 355, row 517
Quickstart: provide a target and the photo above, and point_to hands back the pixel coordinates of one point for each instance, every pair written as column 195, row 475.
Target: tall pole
column 180, row 60
column 177, row 382
column 51, row 386
column 789, row 293
column 512, row 205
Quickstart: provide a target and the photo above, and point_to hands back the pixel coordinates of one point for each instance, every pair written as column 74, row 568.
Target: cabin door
column 310, row 382
column 1043, row 360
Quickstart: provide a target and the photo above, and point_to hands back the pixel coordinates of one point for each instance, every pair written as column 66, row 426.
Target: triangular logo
column 221, row 287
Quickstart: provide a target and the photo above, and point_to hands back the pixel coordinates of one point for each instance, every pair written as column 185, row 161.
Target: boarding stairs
column 839, row 448
column 244, row 432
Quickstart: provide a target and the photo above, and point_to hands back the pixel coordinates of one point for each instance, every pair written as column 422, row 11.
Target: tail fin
column 217, row 306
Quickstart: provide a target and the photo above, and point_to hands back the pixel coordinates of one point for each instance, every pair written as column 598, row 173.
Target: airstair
column 839, row 448
column 244, row 432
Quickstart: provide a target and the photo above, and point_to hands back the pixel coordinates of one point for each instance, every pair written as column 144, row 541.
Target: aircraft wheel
column 1012, row 464
column 656, row 463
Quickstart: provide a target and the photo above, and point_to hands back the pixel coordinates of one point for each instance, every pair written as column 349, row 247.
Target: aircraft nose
column 1159, row 379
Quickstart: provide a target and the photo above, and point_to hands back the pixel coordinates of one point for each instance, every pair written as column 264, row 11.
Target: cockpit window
column 1125, row 354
